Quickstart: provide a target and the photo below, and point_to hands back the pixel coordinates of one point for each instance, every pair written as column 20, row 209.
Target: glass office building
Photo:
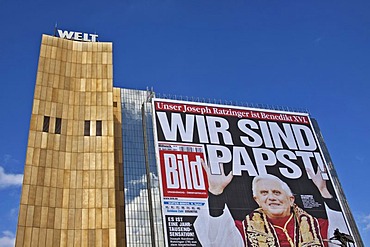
column 91, row 175
column 142, row 202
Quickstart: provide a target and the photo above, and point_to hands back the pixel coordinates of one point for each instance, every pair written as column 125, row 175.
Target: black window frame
column 99, row 126
column 58, row 125
column 46, row 123
column 87, row 128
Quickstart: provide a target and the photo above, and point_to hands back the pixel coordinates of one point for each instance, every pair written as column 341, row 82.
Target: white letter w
column 65, row 34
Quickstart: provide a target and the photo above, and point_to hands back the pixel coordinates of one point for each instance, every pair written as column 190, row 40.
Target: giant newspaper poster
column 237, row 176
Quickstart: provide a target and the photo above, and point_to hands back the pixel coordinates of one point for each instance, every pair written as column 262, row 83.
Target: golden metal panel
column 66, row 176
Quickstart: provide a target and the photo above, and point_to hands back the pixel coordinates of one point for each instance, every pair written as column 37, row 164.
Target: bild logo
column 182, row 173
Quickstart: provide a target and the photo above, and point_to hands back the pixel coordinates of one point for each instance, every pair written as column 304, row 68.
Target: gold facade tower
column 72, row 190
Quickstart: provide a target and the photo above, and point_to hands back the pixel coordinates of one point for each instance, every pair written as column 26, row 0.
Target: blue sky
column 313, row 55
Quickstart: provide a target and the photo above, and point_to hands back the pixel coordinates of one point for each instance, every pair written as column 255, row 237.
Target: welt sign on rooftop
column 109, row 166
column 79, row 36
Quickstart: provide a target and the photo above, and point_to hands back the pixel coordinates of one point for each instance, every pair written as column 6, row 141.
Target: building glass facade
column 142, row 207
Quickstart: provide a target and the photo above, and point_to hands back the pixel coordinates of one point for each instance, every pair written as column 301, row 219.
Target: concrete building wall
column 118, row 158
column 71, row 185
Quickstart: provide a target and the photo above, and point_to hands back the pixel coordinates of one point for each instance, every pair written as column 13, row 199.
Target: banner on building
column 236, row 176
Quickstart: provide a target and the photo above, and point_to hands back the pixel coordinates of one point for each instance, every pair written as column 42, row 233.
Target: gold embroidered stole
column 259, row 232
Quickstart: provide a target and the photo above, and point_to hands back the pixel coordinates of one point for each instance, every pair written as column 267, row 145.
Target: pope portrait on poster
column 238, row 176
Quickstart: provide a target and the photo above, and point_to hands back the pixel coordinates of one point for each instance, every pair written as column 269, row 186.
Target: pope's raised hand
column 319, row 182
column 217, row 182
